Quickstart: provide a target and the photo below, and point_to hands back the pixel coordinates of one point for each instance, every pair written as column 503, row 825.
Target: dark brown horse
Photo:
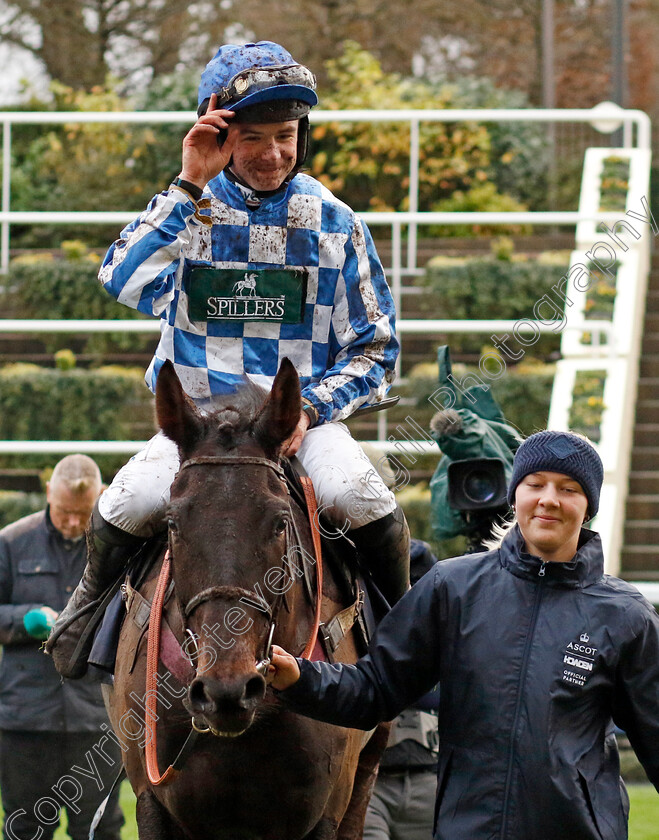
column 237, row 546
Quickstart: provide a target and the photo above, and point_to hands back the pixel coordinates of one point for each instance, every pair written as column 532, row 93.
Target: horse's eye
column 280, row 525
column 172, row 525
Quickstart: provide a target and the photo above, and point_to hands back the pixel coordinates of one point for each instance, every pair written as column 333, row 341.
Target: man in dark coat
column 55, row 753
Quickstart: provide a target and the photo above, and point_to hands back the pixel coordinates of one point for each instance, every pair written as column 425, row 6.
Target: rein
column 155, row 618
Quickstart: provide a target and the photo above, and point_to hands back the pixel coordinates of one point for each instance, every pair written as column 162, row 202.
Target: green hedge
column 42, row 287
column 110, row 403
column 15, row 505
column 487, row 287
column 42, row 403
column 490, row 287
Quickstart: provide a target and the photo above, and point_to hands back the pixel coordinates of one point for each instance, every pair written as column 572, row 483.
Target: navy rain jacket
column 535, row 662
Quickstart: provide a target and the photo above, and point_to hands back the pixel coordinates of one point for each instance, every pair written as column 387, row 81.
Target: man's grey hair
column 78, row 473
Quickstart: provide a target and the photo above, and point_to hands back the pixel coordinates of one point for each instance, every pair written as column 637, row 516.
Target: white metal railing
column 404, row 327
column 605, row 117
column 650, row 590
column 597, row 330
column 624, row 255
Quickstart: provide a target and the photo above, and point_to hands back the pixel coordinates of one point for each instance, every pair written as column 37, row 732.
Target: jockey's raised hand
column 283, row 671
column 203, row 156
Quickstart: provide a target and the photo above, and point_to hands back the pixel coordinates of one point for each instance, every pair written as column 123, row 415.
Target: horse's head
column 229, row 533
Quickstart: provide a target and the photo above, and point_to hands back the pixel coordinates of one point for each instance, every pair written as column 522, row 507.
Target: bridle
column 226, row 592
column 214, row 593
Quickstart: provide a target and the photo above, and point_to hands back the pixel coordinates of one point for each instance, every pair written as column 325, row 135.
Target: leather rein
column 212, row 593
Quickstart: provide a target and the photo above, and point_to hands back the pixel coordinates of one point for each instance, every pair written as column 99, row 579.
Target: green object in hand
column 38, row 623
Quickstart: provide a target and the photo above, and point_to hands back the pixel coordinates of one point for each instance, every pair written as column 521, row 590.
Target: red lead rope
column 312, row 509
column 153, row 641
column 152, row 657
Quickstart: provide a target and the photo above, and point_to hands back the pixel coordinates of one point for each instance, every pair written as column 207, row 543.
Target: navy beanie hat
column 561, row 452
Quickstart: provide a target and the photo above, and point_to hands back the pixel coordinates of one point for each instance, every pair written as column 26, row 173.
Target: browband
column 233, row 460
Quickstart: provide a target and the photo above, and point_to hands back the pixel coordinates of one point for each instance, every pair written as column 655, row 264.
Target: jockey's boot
column 108, row 549
column 384, row 545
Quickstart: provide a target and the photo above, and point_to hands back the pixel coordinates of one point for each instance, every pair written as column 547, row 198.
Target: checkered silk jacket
column 343, row 345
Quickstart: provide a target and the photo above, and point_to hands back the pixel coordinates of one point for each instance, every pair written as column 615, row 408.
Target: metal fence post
column 6, row 195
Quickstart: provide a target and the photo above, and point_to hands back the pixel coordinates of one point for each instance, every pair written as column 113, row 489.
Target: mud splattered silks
column 344, row 347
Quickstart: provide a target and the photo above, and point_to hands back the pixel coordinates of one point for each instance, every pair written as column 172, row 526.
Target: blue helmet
column 262, row 83
column 252, row 74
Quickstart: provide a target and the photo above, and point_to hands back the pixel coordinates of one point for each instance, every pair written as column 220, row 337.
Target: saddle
column 365, row 605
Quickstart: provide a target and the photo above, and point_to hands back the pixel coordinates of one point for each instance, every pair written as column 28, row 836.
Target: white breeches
column 349, row 490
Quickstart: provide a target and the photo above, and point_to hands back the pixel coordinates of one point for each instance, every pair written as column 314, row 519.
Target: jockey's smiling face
column 264, row 154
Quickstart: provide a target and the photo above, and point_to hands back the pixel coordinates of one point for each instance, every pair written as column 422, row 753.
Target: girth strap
column 337, row 628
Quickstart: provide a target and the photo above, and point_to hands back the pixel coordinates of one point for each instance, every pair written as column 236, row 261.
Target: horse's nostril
column 197, row 693
column 254, row 689
column 207, row 696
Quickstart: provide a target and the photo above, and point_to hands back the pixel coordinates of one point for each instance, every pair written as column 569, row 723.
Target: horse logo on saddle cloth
column 228, row 294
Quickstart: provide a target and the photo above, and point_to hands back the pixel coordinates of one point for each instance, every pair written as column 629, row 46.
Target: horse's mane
column 231, row 416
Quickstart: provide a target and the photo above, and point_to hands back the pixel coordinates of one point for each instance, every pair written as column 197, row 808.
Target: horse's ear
column 177, row 415
column 281, row 411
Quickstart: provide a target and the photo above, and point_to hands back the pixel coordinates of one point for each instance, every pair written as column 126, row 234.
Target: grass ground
column 643, row 823
column 644, row 814
column 127, row 802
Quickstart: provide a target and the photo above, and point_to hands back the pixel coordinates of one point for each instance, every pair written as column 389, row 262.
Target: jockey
column 247, row 261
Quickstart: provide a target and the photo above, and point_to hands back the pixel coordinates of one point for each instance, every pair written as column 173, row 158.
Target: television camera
column 468, row 488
